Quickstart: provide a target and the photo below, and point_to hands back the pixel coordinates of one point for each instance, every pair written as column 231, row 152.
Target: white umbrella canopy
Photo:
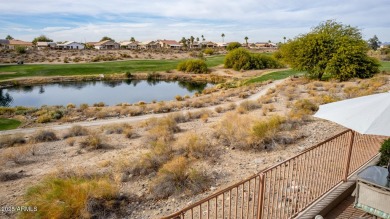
column 366, row 115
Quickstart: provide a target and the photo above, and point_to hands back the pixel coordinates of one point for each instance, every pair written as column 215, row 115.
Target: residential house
column 265, row 44
column 46, row 45
column 71, row 45
column 222, row 45
column 209, row 44
column 129, row 45
column 107, row 44
column 149, row 45
column 170, row 44
column 4, row 44
column 15, row 43
column 195, row 45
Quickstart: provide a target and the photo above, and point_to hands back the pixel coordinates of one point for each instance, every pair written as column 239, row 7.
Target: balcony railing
column 287, row 188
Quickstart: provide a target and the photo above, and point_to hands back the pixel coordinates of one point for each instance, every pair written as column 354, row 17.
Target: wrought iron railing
column 287, row 188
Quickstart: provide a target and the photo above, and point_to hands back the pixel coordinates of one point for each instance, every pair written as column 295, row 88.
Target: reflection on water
column 5, row 99
column 109, row 92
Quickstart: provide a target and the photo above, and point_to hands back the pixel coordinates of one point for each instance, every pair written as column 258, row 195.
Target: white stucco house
column 71, row 45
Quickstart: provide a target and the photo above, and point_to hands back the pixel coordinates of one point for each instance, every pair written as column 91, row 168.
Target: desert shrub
column 20, row 49
column 44, row 136
column 129, row 132
column 250, row 105
column 219, row 109
column 238, row 59
column 234, row 130
column 114, row 129
column 204, row 117
column 11, row 140
column 306, row 105
column 260, row 61
column 208, row 51
column 324, row 99
column 179, row 98
column 71, row 141
column 233, row 45
column 265, row 130
column 16, row 154
column 159, row 154
column 45, row 118
column 385, row 153
column 180, row 117
column 196, row 66
column 194, row 145
column 84, row 106
column 76, row 131
column 198, row 114
column 162, row 128
column 100, row 104
column 241, row 59
column 70, row 106
column 52, row 197
column 92, row 141
column 6, row 176
column 302, row 109
column 7, row 111
column 176, row 177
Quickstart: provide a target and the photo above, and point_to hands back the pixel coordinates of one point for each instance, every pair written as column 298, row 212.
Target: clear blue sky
column 260, row 20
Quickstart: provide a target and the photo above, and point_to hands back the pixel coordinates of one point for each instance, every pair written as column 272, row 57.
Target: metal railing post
column 348, row 160
column 261, row 196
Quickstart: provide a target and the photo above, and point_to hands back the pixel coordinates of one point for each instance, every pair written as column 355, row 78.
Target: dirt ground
column 229, row 164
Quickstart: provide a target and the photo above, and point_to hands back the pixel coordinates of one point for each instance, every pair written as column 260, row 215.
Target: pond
column 109, row 92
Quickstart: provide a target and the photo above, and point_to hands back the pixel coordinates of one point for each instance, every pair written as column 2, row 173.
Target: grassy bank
column 274, row 76
column 133, row 66
column 7, row 124
column 385, row 66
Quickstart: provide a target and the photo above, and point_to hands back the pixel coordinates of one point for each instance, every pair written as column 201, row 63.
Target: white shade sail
column 366, row 115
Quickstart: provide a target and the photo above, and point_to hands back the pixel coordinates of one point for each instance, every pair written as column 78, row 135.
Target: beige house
column 129, row 45
column 169, row 44
column 149, row 45
column 107, row 44
column 15, row 43
column 46, row 45
column 209, row 44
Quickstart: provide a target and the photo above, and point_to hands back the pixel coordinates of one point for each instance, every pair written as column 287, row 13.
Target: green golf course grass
column 133, row 66
column 7, row 124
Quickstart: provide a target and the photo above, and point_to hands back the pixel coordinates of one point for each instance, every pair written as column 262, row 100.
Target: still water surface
column 109, row 92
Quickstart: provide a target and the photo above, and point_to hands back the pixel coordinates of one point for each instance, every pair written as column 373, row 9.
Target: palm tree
column 284, row 39
column 197, row 39
column 223, row 37
column 203, row 39
column 132, row 39
column 246, row 40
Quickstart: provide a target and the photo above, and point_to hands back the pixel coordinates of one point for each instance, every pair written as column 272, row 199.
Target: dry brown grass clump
column 16, row 154
column 161, row 128
column 159, row 154
column 303, row 109
column 234, row 130
column 93, row 141
column 73, row 197
column 175, row 177
column 44, row 136
column 193, row 145
column 116, row 128
column 76, row 131
column 11, row 140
